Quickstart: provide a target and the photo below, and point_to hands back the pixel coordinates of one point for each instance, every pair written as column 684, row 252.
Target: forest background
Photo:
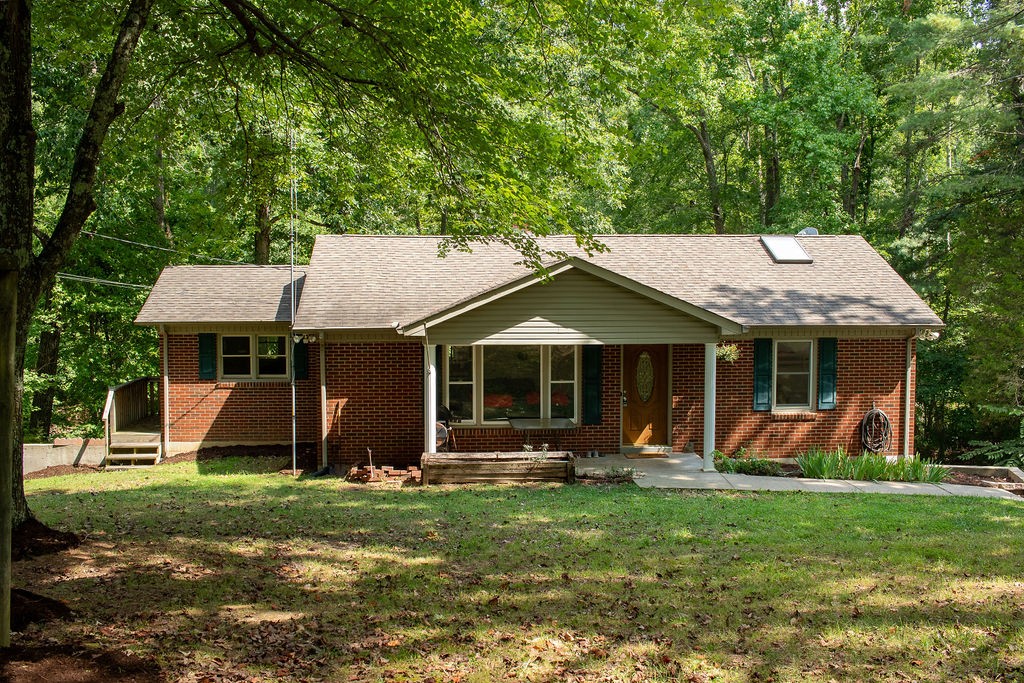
column 901, row 122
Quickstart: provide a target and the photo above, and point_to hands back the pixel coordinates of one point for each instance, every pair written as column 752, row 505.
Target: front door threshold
column 645, row 450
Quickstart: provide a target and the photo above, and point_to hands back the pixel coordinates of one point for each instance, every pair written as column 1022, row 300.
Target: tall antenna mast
column 293, row 207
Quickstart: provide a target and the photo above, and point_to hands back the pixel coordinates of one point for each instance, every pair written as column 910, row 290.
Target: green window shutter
column 827, row 373
column 207, row 355
column 300, row 360
column 592, row 384
column 762, row 374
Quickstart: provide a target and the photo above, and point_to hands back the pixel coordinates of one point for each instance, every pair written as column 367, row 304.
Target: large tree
column 472, row 84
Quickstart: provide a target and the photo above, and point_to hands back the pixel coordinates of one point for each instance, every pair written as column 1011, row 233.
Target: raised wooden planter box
column 493, row 468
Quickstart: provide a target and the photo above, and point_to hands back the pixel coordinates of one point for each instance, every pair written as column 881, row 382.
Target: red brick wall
column 374, row 400
column 868, row 371
column 232, row 411
column 604, row 437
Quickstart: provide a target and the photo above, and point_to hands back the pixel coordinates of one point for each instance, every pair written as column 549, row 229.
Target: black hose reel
column 876, row 430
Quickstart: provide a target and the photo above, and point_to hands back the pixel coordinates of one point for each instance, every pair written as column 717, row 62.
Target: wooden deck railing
column 129, row 403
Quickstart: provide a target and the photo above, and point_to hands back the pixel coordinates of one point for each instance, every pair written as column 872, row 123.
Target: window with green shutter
column 207, row 356
column 592, row 384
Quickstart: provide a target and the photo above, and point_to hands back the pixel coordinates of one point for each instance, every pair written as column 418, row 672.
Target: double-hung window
column 253, row 356
column 487, row 384
column 794, row 388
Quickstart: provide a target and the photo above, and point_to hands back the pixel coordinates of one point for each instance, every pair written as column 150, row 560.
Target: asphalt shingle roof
column 221, row 294
column 372, row 282
column 363, row 281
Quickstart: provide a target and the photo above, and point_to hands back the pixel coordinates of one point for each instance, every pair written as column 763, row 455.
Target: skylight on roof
column 785, row 249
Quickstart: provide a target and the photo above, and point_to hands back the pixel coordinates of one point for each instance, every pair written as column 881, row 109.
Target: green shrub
column 1006, row 453
column 759, row 467
column 743, row 461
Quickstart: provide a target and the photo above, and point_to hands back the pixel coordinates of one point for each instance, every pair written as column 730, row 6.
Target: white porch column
column 710, row 367
column 430, row 410
column 323, row 399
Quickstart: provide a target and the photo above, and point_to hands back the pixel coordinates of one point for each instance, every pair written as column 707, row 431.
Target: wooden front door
column 645, row 395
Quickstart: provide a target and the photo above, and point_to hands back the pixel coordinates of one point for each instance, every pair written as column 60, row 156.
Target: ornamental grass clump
column 869, row 467
column 818, row 463
column 821, row 464
column 916, row 469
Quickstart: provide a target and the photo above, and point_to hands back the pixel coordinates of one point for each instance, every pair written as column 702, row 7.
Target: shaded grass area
column 262, row 576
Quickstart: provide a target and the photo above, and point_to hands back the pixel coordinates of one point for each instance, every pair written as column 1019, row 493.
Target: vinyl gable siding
column 574, row 308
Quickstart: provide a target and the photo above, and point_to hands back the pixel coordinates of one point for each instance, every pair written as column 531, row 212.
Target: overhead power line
column 159, row 248
column 98, row 281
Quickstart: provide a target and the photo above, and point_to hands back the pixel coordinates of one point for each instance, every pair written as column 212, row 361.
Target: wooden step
column 124, row 456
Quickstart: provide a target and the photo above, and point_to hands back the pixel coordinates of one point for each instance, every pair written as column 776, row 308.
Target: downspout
column 166, row 408
column 907, row 419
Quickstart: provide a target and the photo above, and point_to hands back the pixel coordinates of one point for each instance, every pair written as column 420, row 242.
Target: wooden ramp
column 132, row 424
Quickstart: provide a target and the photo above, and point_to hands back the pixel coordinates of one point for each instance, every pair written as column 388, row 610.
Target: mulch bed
column 991, row 481
column 61, row 470
column 74, row 664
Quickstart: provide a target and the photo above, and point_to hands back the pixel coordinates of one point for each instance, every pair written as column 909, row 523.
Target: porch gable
column 573, row 307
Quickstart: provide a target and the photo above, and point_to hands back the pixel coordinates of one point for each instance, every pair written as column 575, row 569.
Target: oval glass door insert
column 644, row 377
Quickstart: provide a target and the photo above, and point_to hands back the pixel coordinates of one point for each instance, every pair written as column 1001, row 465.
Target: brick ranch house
column 623, row 343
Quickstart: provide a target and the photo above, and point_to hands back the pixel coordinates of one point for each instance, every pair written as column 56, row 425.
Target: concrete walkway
column 683, row 471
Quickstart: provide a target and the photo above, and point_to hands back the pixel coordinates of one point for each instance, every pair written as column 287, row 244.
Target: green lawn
column 262, row 576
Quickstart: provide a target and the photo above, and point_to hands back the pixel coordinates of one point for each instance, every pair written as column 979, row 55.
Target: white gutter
column 907, row 419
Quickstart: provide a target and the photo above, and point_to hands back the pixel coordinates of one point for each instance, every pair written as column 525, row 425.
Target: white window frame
column 811, row 393
column 254, row 356
column 473, row 382
column 545, row 383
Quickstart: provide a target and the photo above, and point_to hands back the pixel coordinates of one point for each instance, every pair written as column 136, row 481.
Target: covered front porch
column 626, row 342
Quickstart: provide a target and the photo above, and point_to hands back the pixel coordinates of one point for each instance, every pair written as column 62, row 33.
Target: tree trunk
column 703, row 136
column 8, row 316
column 41, row 419
column 868, row 164
column 17, row 168
column 909, row 195
column 160, row 193
column 17, row 152
column 907, row 215
column 772, row 175
column 263, row 225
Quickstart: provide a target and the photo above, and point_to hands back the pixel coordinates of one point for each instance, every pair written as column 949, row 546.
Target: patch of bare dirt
column 74, row 664
column 61, row 470
column 306, row 454
column 33, row 538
